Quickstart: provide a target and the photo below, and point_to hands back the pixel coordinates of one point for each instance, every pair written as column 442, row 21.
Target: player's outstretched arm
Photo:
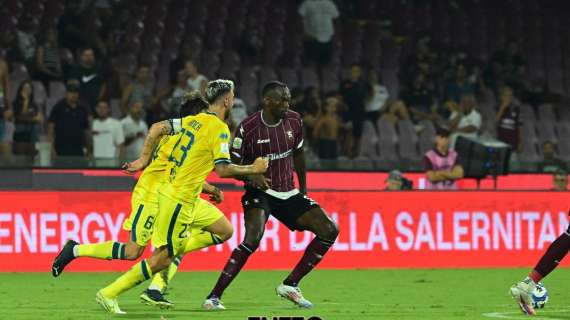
column 156, row 131
column 229, row 170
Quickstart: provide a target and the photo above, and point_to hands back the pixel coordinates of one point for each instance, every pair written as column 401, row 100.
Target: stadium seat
column 546, row 131
column 56, row 90
column 407, row 140
column 309, row 77
column 388, row 139
column 369, row 144
column 40, row 94
column 289, row 76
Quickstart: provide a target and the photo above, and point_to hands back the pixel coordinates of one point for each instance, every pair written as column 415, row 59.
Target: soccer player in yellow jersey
column 144, row 203
column 202, row 146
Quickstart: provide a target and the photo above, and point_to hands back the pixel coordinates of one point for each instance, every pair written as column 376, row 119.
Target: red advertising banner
column 377, row 230
column 362, row 181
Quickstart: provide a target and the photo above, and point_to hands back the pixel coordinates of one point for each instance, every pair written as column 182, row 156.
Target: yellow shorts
column 176, row 221
column 142, row 219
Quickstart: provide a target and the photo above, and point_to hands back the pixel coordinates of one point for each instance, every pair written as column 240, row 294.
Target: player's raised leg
column 255, row 219
column 326, row 232
column 211, row 227
column 139, row 224
column 522, row 291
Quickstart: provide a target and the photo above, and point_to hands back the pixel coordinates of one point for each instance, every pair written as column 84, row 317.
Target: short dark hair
column 192, row 103
column 560, row 172
column 270, row 86
column 217, row 88
column 442, row 132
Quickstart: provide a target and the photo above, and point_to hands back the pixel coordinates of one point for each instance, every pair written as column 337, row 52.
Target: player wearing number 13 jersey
column 140, row 224
column 201, row 146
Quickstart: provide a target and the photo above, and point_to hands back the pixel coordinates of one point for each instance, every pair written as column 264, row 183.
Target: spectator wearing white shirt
column 107, row 132
column 318, row 16
column 465, row 120
column 135, row 130
column 196, row 81
column 377, row 97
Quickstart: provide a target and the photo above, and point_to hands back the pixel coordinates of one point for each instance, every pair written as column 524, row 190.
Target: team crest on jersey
column 225, row 148
column 237, row 143
column 290, row 134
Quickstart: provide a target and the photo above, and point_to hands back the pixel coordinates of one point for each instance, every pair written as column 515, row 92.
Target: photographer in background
column 397, row 182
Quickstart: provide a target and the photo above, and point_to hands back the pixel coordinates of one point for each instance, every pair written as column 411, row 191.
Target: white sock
column 154, row 287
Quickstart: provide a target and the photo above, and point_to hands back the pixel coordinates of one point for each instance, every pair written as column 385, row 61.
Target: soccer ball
column 539, row 296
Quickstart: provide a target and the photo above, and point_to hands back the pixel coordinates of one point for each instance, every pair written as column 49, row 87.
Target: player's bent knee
column 133, row 251
column 330, row 231
column 227, row 233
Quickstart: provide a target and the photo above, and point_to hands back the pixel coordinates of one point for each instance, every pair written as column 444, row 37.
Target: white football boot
column 110, row 305
column 294, row 295
column 213, row 304
column 522, row 293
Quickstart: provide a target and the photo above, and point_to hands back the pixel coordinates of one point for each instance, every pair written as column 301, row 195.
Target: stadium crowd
column 105, row 113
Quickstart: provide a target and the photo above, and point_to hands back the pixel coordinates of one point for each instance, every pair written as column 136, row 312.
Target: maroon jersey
column 254, row 138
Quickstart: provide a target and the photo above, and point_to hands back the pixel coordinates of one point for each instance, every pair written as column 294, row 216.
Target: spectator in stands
column 48, row 65
column 186, row 54
column 397, row 111
column 419, row 99
column 141, row 89
column 166, row 101
column 311, row 111
column 326, row 131
column 26, row 36
column 550, row 163
column 238, row 112
column 459, row 86
column 465, row 120
column 441, row 163
column 354, row 91
column 28, row 119
column 297, row 99
column 560, row 180
column 377, row 98
column 251, row 41
column 68, row 125
column 107, row 134
column 318, row 17
column 6, row 114
column 196, row 81
column 135, row 130
column 90, row 76
column 71, row 27
column 508, row 119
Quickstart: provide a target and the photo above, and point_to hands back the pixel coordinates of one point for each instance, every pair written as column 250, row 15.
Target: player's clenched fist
column 260, row 165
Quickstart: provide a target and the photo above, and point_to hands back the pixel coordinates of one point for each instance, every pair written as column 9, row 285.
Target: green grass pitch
column 347, row 294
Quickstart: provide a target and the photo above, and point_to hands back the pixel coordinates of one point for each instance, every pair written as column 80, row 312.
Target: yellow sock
column 201, row 239
column 137, row 274
column 161, row 280
column 104, row 250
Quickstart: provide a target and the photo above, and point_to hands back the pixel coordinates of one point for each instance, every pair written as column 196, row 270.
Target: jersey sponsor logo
column 88, row 78
column 224, row 136
column 260, row 141
column 224, row 147
column 237, row 143
column 273, row 156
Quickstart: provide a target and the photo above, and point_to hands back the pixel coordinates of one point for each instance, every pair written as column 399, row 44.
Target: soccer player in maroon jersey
column 275, row 132
column 522, row 291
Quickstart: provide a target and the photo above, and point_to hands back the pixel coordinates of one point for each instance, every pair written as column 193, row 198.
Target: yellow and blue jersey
column 202, row 141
